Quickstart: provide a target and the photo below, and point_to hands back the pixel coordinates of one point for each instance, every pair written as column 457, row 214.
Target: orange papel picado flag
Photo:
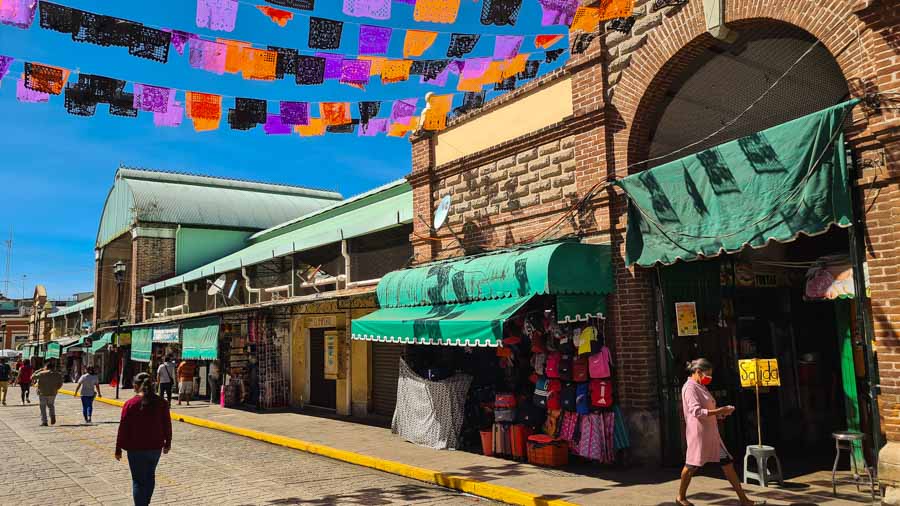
column 278, row 16
column 205, row 110
column 315, row 128
column 417, row 42
column 395, row 71
column 436, row 111
column 436, row 11
column 335, row 113
column 547, row 41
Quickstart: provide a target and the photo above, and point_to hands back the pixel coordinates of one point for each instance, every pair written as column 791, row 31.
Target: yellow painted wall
column 531, row 112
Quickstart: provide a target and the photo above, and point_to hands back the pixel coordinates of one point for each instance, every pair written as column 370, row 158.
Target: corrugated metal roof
column 379, row 209
column 185, row 199
column 74, row 308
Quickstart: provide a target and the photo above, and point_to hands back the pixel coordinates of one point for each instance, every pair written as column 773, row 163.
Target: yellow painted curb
column 500, row 493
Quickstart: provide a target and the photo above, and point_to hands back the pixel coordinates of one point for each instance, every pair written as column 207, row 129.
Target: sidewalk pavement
column 492, row 478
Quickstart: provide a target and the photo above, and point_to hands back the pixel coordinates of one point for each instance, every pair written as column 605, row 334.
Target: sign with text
column 686, row 319
column 331, row 355
column 761, row 372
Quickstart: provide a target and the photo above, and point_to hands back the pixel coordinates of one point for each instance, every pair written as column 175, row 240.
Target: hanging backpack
column 582, row 399
column 552, row 365
column 568, row 397
column 541, row 393
column 598, row 364
column 539, row 362
column 580, row 369
column 601, row 393
column 565, row 367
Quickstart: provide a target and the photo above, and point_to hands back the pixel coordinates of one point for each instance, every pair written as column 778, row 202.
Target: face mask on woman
column 705, row 380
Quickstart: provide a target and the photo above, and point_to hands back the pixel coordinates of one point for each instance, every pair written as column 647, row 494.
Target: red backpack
column 580, row 369
column 551, row 369
column 601, row 393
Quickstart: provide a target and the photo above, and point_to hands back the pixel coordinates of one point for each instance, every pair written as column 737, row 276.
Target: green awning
column 53, row 350
column 80, row 342
column 466, row 301
column 558, row 268
column 141, row 344
column 38, row 351
column 770, row 186
column 478, row 323
column 578, row 308
column 27, row 351
column 200, row 339
column 99, row 344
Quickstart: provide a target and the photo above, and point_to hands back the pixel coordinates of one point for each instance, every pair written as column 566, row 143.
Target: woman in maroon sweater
column 145, row 432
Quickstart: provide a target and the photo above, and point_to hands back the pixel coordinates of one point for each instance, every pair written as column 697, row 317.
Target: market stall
column 521, row 332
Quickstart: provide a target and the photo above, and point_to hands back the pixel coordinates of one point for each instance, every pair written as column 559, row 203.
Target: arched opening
column 751, row 303
column 709, row 83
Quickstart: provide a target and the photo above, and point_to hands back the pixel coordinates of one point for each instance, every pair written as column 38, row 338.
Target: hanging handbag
column 601, row 393
column 582, row 399
column 565, row 367
column 580, row 369
column 568, row 397
column 552, row 366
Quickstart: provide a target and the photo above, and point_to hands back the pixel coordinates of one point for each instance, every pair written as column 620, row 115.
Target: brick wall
column 154, row 259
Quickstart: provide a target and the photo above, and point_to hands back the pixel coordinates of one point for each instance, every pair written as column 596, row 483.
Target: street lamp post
column 119, row 274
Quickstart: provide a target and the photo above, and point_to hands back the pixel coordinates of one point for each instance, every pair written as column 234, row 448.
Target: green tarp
column 98, row 344
column 558, row 268
column 477, row 323
column 141, row 344
column 53, row 350
column 769, row 186
column 200, row 339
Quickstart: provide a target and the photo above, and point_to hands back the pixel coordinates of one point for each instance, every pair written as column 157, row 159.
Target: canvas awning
column 167, row 335
column 141, row 344
column 100, row 343
column 53, row 350
column 465, row 302
column 27, row 351
column 770, row 186
column 200, row 339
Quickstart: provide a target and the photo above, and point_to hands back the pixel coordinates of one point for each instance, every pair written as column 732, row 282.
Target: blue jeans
column 87, row 405
column 143, row 474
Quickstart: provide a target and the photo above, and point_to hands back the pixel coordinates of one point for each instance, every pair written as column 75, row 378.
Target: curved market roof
column 378, row 209
column 74, row 308
column 185, row 199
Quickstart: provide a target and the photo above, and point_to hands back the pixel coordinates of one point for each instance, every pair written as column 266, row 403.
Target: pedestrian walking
column 186, row 370
column 89, row 384
column 5, row 373
column 704, row 444
column 165, row 376
column 145, row 432
column 24, row 380
column 48, row 382
column 215, row 381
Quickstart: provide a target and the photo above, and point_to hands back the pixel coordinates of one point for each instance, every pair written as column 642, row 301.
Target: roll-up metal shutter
column 385, row 372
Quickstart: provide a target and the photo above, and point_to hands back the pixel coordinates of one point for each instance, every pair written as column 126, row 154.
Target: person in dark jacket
column 145, row 432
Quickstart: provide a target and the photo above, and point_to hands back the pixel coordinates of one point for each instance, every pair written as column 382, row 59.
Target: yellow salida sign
column 761, row 372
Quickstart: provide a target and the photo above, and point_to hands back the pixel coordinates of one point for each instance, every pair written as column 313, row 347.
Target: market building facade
column 642, row 128
column 275, row 314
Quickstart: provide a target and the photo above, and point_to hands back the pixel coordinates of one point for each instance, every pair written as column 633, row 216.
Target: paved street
column 72, row 463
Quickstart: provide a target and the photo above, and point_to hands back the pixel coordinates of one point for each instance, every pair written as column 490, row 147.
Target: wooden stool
column 844, row 440
column 762, row 454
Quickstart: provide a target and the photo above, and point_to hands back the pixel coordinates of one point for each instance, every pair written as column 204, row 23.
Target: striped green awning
column 200, row 339
column 466, row 301
column 477, row 323
column 53, row 349
column 142, row 344
column 99, row 344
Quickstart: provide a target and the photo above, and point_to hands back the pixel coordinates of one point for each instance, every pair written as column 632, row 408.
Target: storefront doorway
column 322, row 392
column 759, row 304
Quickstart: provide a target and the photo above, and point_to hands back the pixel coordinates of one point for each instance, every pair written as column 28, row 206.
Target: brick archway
column 682, row 37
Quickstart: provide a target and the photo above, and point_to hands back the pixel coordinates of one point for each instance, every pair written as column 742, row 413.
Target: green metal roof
column 74, row 308
column 185, row 199
column 376, row 210
column 552, row 269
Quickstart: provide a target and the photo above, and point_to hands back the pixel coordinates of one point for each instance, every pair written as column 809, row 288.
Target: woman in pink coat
column 704, row 444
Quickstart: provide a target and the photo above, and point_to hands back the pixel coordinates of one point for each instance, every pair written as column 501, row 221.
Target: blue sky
column 58, row 168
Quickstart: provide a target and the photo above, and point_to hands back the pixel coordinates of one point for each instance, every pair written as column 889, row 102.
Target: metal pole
column 118, row 327
column 758, row 418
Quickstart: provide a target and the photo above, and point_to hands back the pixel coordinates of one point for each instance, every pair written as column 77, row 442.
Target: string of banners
column 39, row 82
column 229, row 56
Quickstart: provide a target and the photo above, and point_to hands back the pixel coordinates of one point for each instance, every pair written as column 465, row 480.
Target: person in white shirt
column 165, row 378
column 89, row 384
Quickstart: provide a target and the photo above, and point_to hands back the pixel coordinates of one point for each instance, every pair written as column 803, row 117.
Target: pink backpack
column 601, row 393
column 599, row 364
column 551, row 368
